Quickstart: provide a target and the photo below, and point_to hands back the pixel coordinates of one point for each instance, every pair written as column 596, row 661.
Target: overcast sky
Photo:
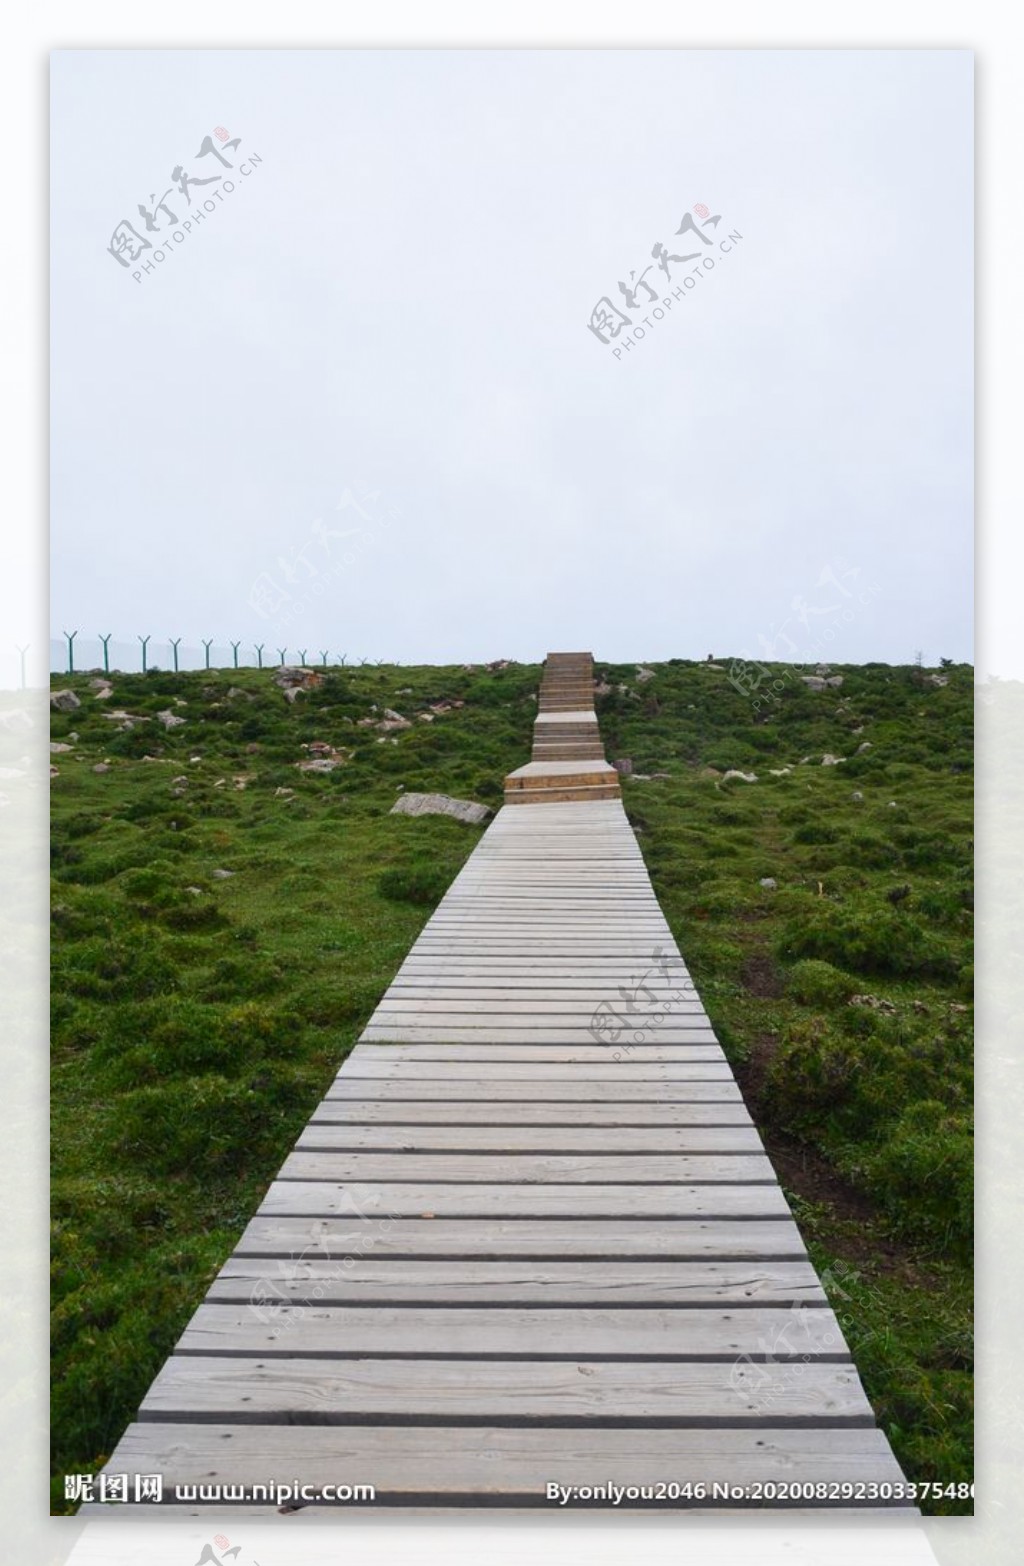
column 358, row 407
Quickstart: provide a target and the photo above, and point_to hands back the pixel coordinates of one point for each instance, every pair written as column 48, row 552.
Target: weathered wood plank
column 639, row 1140
column 509, row 1113
column 582, row 1091
column 523, row 1239
column 325, row 1198
column 492, row 1465
column 209, row 1389
column 531, row 1168
column 770, row 1333
column 557, row 1054
column 311, row 1281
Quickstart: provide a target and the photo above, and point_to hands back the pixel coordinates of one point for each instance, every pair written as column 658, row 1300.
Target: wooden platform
column 530, row 1236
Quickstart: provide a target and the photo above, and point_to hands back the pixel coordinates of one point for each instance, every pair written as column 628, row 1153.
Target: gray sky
column 382, row 331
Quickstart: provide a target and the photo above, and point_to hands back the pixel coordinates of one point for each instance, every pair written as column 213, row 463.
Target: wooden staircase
column 568, row 762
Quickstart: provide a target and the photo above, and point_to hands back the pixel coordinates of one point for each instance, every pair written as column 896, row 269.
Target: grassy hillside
column 224, row 923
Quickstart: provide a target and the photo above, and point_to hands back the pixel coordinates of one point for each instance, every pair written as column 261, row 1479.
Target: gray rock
column 56, row 747
column 223, row 875
column 744, row 777
column 102, row 766
column 857, row 796
column 643, row 675
column 319, row 764
column 828, row 760
column 861, row 749
column 64, row 701
column 441, row 805
column 624, row 766
column 769, row 883
column 835, row 681
column 814, row 682
column 169, row 719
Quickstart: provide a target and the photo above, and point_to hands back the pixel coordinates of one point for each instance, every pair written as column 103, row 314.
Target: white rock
column 744, row 777
column 441, row 805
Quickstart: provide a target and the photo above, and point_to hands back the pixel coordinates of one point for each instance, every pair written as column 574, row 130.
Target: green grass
column 198, row 1019
column 843, row 994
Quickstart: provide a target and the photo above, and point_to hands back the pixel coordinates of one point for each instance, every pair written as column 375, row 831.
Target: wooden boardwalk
column 529, row 1237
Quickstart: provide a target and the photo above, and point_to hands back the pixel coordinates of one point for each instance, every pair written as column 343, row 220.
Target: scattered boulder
column 293, row 679
column 236, row 690
column 857, row 797
column 102, row 766
column 780, row 772
column 54, row 771
column 874, row 1003
column 938, row 679
column 102, row 690
column 441, row 805
column 828, row 760
column 56, row 747
column 425, row 717
column 744, row 777
column 64, row 701
column 769, row 883
column 624, row 766
column 602, row 688
column 497, row 665
column 319, row 764
column 126, row 720
column 223, row 875
column 643, row 675
column 863, row 748
column 284, row 793
column 169, row 719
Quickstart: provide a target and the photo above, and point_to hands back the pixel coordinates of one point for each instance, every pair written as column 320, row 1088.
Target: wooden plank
column 492, row 1465
column 607, row 1116
column 312, row 1281
column 582, row 1091
column 558, row 1054
column 531, row 1168
column 642, row 1141
column 540, row 1074
column 211, row 1389
column 769, row 1333
column 412, row 1032
column 524, row 1239
column 325, row 1198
